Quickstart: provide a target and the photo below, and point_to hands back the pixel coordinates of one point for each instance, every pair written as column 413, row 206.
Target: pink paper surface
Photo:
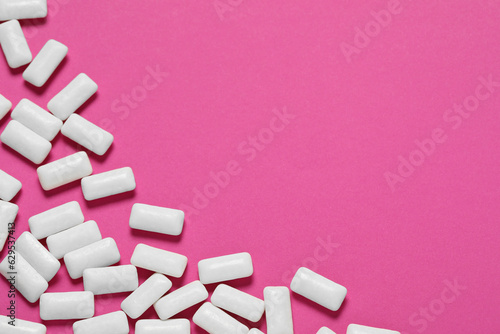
column 312, row 189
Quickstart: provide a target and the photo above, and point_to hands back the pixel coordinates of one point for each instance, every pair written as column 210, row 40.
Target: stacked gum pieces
column 87, row 254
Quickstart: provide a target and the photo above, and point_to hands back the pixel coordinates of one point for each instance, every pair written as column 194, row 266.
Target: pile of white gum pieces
column 84, row 250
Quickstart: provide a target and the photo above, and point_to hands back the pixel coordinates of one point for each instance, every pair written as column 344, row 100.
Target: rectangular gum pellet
column 67, row 305
column 255, row 331
column 9, row 186
column 45, row 63
column 109, row 183
column 37, row 256
column 81, row 235
column 26, row 142
column 26, row 9
column 238, row 302
column 114, row 322
column 56, row 220
column 278, row 310
column 156, row 219
column 101, row 253
column 159, row 260
column 87, row 134
column 180, row 300
column 5, row 106
column 37, row 119
column 65, row 170
column 106, row 280
column 20, row 326
column 72, row 97
column 155, row 326
column 14, row 44
column 28, row 281
column 8, row 213
column 215, row 321
column 359, row 329
column 145, row 295
column 319, row 289
column 225, row 268
column 325, row 330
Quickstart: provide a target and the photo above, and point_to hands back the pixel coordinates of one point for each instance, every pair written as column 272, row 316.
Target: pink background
column 322, row 176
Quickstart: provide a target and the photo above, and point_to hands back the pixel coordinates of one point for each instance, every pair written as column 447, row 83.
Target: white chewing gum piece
column 37, row 256
column 156, row 219
column 359, row 329
column 109, row 183
column 25, row 9
column 155, row 326
column 109, row 323
column 145, row 295
column 114, row 279
column 87, row 134
column 20, row 326
column 278, row 310
column 23, row 276
column 37, row 119
column 45, row 63
column 216, row 321
column 13, row 42
column 67, row 305
column 318, row 289
column 99, row 254
column 9, row 186
column 63, row 171
column 255, row 331
column 5, row 106
column 8, row 213
column 159, row 260
column 180, row 300
column 81, row 235
column 26, row 142
column 225, row 268
column 72, row 97
column 56, row 220
column 238, row 302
